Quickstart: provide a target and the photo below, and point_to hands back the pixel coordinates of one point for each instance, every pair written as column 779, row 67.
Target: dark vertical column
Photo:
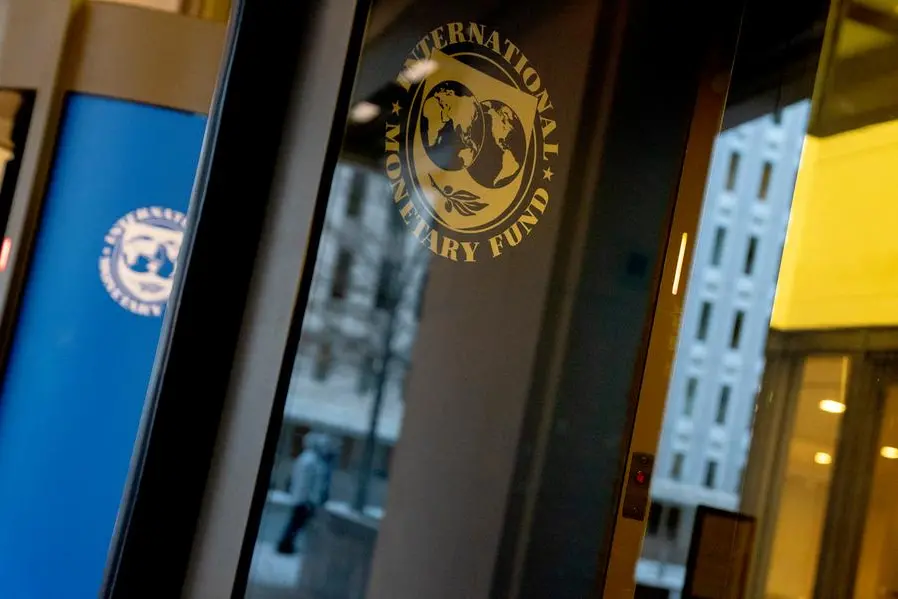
column 172, row 465
column 769, row 454
column 849, row 495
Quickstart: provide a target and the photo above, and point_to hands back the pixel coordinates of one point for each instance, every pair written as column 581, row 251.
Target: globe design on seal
column 470, row 142
column 502, row 155
column 147, row 261
column 485, row 138
column 139, row 258
column 452, row 126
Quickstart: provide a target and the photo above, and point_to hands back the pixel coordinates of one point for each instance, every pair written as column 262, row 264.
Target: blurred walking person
column 308, row 489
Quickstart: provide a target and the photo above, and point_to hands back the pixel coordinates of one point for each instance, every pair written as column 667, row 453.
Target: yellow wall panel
column 840, row 262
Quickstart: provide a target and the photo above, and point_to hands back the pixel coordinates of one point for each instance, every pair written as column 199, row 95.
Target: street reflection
column 345, row 404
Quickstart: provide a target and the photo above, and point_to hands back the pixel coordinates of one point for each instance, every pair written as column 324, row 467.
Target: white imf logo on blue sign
column 137, row 266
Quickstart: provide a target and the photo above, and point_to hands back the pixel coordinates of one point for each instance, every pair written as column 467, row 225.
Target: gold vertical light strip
column 676, row 282
column 843, row 383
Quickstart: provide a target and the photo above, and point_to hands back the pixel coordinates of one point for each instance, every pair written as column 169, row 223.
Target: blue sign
column 86, row 338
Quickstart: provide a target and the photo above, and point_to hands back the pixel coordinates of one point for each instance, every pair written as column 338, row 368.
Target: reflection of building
column 719, row 360
column 365, row 255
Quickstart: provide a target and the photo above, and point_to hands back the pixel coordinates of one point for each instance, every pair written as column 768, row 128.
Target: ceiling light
column 890, row 453
column 823, row 458
column 420, row 70
column 364, row 112
column 832, row 406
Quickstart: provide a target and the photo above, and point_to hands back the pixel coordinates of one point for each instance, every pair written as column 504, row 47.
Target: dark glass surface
column 461, row 395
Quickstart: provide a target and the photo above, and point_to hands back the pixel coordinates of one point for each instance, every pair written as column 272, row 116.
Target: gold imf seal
column 469, row 145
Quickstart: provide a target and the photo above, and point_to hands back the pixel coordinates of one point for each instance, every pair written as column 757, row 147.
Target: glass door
column 416, row 456
column 467, row 214
column 774, row 433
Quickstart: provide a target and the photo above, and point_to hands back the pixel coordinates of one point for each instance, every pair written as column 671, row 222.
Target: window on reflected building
column 750, row 253
column 342, row 274
column 672, row 525
column 711, row 474
column 676, row 469
column 733, row 171
column 717, row 251
column 689, row 399
column 723, row 404
column 323, row 362
column 704, row 321
column 766, row 174
column 384, row 284
column 736, row 333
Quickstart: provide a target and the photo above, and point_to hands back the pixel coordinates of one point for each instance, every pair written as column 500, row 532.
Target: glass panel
column 465, row 369
column 782, row 406
column 440, row 423
column 717, row 369
column 804, row 486
column 345, row 404
column 346, row 399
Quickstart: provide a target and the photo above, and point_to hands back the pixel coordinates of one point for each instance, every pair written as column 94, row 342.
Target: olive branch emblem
column 462, row 201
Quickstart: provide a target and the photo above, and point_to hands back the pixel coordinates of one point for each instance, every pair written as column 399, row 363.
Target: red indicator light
column 5, row 250
column 641, row 477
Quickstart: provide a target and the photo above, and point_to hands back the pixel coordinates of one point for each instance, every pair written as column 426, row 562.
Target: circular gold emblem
column 469, row 145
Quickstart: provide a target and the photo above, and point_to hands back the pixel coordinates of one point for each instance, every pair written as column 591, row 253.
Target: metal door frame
column 651, row 389
column 788, row 75
column 233, row 315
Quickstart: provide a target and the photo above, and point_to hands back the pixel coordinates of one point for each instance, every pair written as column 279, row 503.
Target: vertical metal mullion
column 768, row 456
column 713, row 57
column 849, row 490
column 313, row 135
